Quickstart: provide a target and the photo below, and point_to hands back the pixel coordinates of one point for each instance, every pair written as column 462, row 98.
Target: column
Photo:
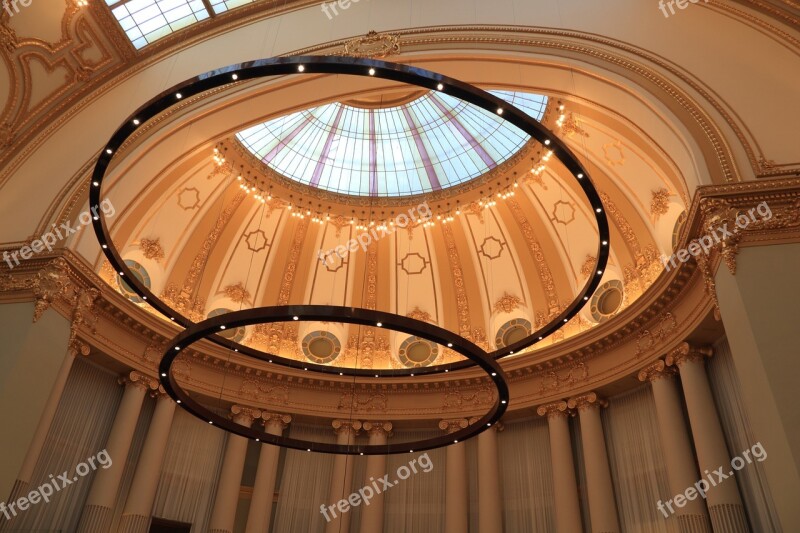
column 676, row 447
column 759, row 310
column 260, row 512
column 99, row 509
column 230, row 478
column 724, row 502
column 342, row 477
column 490, row 501
column 602, row 507
column 372, row 514
column 456, row 499
column 565, row 487
column 35, row 448
column 137, row 514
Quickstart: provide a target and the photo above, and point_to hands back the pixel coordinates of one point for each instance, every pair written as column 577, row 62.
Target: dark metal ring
column 356, row 67
column 347, row 315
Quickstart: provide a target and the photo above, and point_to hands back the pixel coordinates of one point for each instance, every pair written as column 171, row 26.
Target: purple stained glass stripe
column 327, row 149
column 373, row 157
column 423, row 151
column 473, row 142
column 286, row 140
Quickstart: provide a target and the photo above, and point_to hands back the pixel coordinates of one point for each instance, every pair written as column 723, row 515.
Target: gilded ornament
column 238, row 293
column 507, row 303
column 151, row 249
column 373, row 45
column 659, row 204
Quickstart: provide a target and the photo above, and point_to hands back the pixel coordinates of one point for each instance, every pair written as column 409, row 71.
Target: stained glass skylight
column 146, row 21
column 431, row 143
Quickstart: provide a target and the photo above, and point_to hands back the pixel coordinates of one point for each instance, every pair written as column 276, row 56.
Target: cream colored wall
column 759, row 101
column 30, row 359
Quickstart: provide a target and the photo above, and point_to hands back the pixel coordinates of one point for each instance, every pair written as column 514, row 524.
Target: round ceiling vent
column 416, row 352
column 321, row 347
column 512, row 331
column 608, row 300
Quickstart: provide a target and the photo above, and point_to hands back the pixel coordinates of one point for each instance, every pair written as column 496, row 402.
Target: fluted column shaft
column 260, row 513
column 342, row 476
column 490, row 503
column 602, row 507
column 98, row 512
column 724, row 503
column 456, row 499
column 223, row 515
column 35, row 449
column 372, row 512
column 676, row 447
column 565, row 486
column 136, row 516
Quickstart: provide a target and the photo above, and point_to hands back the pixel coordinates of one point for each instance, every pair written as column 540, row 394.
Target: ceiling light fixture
column 348, row 315
column 358, row 67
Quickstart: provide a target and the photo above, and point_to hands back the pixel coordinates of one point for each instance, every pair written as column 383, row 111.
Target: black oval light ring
column 347, row 315
column 357, row 67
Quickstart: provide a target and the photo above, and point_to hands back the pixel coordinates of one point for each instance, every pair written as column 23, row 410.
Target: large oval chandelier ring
column 411, row 75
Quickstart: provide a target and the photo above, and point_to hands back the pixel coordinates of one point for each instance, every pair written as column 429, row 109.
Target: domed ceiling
column 252, row 218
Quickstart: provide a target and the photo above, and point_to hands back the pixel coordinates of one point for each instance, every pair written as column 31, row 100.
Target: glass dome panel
column 431, row 143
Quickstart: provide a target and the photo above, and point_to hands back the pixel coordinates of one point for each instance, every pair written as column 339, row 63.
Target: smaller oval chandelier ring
column 324, row 313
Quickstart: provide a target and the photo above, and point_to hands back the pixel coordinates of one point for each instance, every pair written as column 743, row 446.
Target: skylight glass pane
column 146, row 21
column 434, row 142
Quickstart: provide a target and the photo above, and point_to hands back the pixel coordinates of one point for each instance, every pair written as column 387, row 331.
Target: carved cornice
column 586, row 401
column 688, row 353
column 554, row 409
column 656, row 370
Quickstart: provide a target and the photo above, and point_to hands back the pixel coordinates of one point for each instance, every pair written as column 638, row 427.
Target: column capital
column 554, row 409
column 346, row 426
column 160, row 394
column 281, row 421
column 137, row 379
column 243, row 415
column 378, row 427
column 78, row 347
column 453, row 424
column 656, row 370
column 589, row 400
column 687, row 353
